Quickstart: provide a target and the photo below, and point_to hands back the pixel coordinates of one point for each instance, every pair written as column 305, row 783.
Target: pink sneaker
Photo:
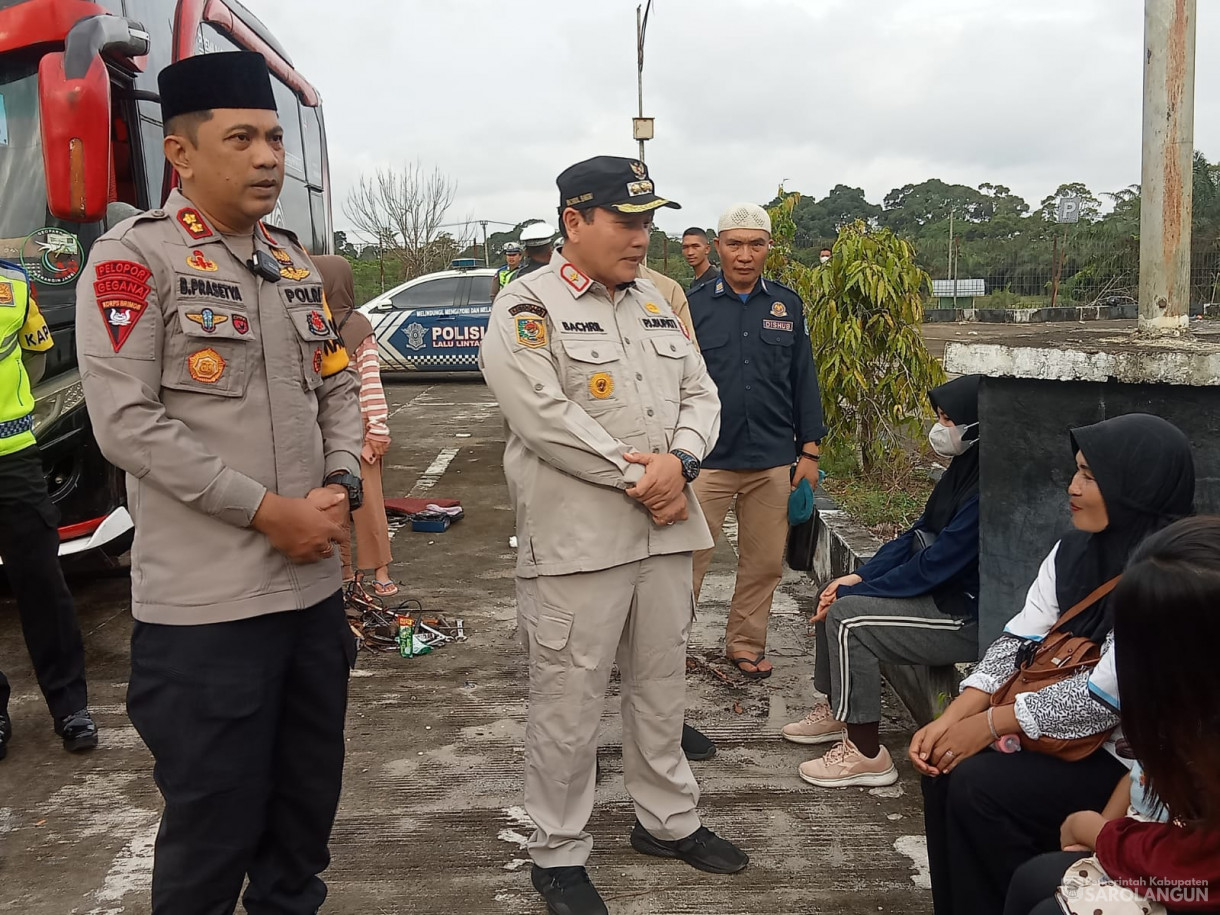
column 816, row 727
column 844, row 765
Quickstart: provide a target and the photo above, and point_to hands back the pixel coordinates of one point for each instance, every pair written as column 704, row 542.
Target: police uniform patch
column 241, row 325
column 719, row 287
column 296, row 274
column 777, row 325
column 531, row 308
column 282, row 256
column 199, row 261
column 205, row 366
column 317, row 361
column 6, row 294
column 208, row 320
column 574, row 278
column 189, row 219
column 637, row 169
column 779, row 310
column 122, row 297
column 601, row 385
column 317, row 324
column 652, row 308
column 531, row 332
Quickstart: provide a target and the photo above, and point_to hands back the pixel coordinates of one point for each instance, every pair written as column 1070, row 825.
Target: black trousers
column 245, row 722
column 998, row 810
column 29, row 547
column 1033, row 887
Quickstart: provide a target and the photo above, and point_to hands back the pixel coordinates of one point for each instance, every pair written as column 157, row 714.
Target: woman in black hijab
column 914, row 602
column 986, row 812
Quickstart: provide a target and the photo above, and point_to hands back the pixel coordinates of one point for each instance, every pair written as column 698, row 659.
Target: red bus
column 80, row 150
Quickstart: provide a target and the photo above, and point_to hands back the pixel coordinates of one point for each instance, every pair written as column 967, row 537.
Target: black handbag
column 802, row 544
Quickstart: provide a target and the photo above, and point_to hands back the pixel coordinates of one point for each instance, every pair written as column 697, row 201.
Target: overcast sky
column 746, row 93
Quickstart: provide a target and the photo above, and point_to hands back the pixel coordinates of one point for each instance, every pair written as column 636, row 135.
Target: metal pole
column 949, row 274
column 639, row 45
column 486, row 250
column 1166, row 181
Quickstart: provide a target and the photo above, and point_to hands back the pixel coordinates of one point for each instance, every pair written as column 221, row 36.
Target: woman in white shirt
column 986, row 813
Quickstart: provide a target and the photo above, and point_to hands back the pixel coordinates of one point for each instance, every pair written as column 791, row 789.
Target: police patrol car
column 433, row 323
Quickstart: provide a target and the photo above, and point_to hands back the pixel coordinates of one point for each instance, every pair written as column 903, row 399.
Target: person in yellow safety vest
column 506, row 274
column 29, row 534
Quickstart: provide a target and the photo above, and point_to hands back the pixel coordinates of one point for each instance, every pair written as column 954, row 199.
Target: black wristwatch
column 350, row 482
column 690, row 464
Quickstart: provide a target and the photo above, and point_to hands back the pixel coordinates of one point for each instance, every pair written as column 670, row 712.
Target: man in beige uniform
column 215, row 380
column 610, row 410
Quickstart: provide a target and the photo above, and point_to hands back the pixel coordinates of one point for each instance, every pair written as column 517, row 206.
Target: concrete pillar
column 1166, row 182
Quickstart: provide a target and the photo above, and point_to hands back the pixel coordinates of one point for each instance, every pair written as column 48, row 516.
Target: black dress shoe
column 702, row 849
column 567, row 891
column 6, row 734
column 78, row 731
column 696, row 745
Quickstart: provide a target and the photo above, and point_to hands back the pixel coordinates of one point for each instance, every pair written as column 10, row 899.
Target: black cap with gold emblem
column 230, row 79
column 612, row 182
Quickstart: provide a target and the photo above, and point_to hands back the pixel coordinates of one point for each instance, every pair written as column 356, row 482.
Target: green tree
column 864, row 309
column 343, row 247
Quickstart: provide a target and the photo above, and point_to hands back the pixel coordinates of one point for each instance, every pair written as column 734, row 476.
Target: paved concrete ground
column 430, row 820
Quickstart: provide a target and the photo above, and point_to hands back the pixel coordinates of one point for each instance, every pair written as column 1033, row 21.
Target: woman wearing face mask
column 914, row 602
column 986, row 813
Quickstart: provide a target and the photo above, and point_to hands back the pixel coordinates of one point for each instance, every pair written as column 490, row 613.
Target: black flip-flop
column 755, row 674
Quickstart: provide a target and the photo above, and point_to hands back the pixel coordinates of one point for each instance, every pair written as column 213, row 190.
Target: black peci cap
column 612, row 182
column 231, row 79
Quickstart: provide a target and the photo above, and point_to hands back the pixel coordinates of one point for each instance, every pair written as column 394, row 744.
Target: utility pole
column 641, row 127
column 949, row 274
column 1166, row 185
column 486, row 251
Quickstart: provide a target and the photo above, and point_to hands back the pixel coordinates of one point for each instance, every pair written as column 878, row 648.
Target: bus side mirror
column 74, row 111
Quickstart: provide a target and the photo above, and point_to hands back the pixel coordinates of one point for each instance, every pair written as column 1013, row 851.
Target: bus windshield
column 22, row 180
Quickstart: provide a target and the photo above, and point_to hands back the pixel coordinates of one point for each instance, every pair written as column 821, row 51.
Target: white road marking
column 130, row 873
column 916, row 848
column 435, row 471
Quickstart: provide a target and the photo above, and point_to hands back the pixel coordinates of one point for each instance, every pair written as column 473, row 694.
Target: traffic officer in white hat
column 610, row 411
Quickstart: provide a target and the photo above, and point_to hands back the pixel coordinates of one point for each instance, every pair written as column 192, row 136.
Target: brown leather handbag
column 1058, row 656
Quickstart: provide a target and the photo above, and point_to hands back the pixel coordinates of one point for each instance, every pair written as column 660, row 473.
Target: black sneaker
column 702, row 849
column 77, row 730
column 567, row 891
column 696, row 745
column 6, row 734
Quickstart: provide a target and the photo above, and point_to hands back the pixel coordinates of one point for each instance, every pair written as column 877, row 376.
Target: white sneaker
column 844, row 765
column 816, row 727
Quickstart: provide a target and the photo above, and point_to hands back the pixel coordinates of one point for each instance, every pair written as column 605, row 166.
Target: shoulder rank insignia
column 652, row 308
column 574, row 278
column 719, row 287
column 778, row 310
column 189, row 219
column 531, row 331
column 208, row 320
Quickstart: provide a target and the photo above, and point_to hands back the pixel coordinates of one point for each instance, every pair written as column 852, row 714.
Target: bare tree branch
column 404, row 209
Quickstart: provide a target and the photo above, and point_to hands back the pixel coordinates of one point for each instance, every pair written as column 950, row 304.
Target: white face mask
column 825, row 259
column 947, row 440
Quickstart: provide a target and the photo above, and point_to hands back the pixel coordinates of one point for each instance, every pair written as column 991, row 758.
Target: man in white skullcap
column 752, row 334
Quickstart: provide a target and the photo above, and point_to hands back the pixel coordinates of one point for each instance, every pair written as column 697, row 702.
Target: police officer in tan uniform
column 610, row 410
column 214, row 378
